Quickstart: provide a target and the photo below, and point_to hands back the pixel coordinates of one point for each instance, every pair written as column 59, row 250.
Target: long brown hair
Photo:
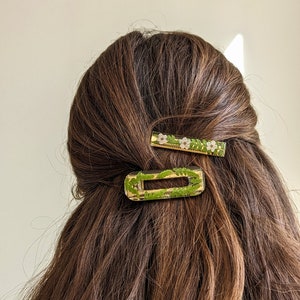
column 239, row 239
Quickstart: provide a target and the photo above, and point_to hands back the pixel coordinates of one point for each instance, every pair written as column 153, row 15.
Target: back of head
column 238, row 239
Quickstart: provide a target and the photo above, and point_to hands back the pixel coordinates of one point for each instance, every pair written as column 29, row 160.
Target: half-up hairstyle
column 239, row 239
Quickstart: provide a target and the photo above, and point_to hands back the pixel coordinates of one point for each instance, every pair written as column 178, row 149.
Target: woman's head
column 172, row 82
column 239, row 238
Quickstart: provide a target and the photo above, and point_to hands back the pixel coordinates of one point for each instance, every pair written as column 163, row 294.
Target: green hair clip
column 175, row 142
column 134, row 184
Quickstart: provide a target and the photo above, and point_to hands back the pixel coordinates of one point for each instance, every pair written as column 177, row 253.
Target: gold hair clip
column 175, row 142
column 134, row 184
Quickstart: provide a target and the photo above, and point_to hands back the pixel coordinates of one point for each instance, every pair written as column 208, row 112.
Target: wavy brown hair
column 239, row 239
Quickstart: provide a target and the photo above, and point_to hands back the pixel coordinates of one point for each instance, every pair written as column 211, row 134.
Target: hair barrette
column 188, row 144
column 135, row 190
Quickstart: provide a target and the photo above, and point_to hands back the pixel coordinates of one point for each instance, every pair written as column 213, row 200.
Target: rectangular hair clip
column 188, row 144
column 135, row 191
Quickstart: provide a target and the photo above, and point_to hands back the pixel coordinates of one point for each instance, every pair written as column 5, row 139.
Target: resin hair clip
column 134, row 184
column 175, row 142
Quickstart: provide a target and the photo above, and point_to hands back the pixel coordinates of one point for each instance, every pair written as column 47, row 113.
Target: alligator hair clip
column 134, row 186
column 188, row 144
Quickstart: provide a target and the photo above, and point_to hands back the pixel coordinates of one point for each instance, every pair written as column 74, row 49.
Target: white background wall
column 45, row 46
